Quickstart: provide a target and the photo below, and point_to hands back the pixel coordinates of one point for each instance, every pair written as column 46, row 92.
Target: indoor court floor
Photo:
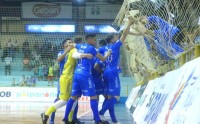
column 29, row 113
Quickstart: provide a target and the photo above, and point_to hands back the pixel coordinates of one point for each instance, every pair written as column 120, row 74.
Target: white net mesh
column 32, row 46
column 164, row 30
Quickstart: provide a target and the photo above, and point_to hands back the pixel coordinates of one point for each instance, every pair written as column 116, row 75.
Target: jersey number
column 110, row 58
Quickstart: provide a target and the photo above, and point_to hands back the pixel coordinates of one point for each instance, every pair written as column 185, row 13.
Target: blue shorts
column 83, row 85
column 99, row 86
column 111, row 79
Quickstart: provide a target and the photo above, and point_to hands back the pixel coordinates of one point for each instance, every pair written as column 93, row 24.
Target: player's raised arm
column 126, row 30
column 103, row 58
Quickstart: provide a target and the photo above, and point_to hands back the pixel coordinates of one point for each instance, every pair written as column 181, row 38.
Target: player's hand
column 89, row 56
column 108, row 53
column 69, row 47
column 131, row 19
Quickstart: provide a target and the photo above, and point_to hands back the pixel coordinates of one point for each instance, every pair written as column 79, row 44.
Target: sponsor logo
column 95, row 10
column 36, row 94
column 5, row 93
column 84, row 98
column 46, row 10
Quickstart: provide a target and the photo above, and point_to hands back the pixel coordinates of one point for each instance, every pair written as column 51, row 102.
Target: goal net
column 164, row 31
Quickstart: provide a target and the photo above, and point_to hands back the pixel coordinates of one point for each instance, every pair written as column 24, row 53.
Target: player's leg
column 75, row 119
column 114, row 93
column 76, row 91
column 51, row 121
column 60, row 103
column 73, row 114
column 88, row 89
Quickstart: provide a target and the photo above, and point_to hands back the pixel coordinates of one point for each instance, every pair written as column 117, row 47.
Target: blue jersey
column 84, row 65
column 164, row 35
column 113, row 60
column 62, row 62
column 166, row 28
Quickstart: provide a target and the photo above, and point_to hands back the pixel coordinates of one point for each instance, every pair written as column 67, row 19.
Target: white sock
column 59, row 104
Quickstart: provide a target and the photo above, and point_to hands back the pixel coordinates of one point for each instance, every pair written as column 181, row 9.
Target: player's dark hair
column 64, row 41
column 109, row 37
column 102, row 43
column 90, row 36
column 78, row 39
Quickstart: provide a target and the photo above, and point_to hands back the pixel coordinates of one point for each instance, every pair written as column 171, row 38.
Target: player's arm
column 103, row 58
column 78, row 55
column 127, row 29
column 62, row 56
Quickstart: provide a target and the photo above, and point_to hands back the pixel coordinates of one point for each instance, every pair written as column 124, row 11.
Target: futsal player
column 82, row 81
column 97, row 74
column 111, row 72
column 65, row 82
column 164, row 33
column 62, row 58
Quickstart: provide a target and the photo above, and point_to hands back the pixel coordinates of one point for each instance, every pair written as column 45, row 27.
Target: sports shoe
column 102, row 122
column 77, row 121
column 51, row 122
column 44, row 118
column 67, row 122
column 102, row 117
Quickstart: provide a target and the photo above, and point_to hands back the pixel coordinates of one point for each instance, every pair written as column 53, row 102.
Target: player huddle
column 88, row 71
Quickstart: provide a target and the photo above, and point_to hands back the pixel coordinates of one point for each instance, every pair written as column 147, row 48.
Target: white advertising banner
column 185, row 95
column 132, row 96
column 47, row 10
column 26, row 94
column 154, row 104
column 101, row 10
column 172, row 99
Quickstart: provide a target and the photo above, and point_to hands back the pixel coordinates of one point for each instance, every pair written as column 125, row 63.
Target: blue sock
column 94, row 107
column 53, row 114
column 104, row 102
column 110, row 103
column 68, row 108
column 75, row 112
column 112, row 114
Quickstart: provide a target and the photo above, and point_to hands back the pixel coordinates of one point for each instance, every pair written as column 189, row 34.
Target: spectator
column 13, row 82
column 50, row 76
column 5, row 53
column 55, row 70
column 26, row 49
column 45, row 72
column 1, row 54
column 36, row 71
column 31, row 81
column 40, row 73
column 37, row 59
column 16, row 46
column 26, row 62
column 23, row 81
column 10, row 47
column 8, row 61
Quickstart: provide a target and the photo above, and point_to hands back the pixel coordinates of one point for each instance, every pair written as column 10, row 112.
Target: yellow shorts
column 65, row 88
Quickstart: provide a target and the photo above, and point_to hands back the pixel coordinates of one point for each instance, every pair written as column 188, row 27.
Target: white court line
column 84, row 113
column 88, row 111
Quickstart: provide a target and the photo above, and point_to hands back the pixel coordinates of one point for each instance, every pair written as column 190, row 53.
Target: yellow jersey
column 70, row 65
column 50, row 71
